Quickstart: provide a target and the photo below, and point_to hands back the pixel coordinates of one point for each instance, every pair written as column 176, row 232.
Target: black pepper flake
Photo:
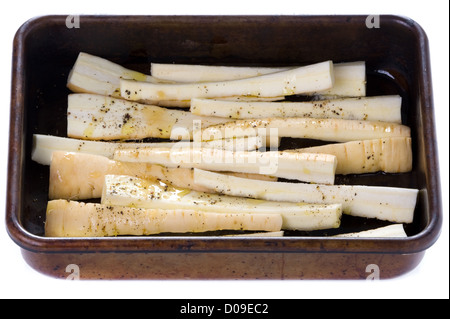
column 126, row 118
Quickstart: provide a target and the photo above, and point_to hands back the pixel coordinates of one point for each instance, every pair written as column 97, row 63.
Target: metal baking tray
column 397, row 59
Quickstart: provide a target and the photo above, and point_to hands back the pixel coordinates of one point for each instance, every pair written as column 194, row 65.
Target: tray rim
column 31, row 242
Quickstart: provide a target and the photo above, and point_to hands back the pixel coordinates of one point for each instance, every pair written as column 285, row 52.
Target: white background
column 428, row 280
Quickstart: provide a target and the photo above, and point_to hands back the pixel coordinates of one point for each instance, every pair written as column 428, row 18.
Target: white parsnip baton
column 389, row 155
column 311, row 78
column 45, row 145
column 335, row 130
column 134, row 192
column 188, row 73
column 93, row 74
column 96, row 75
column 315, row 168
column 375, row 108
column 76, row 219
column 349, row 77
column 259, row 234
column 81, row 176
column 384, row 203
column 390, row 231
column 187, row 103
column 98, row 117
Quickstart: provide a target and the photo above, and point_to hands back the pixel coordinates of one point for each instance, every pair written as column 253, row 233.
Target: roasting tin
column 397, row 57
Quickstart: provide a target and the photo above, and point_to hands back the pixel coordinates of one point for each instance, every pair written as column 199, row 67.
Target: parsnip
column 188, row 73
column 316, row 168
column 336, row 130
column 384, row 203
column 96, row 75
column 259, row 234
column 389, row 155
column 93, row 74
column 134, row 192
column 81, row 176
column 45, row 145
column 390, row 231
column 76, row 219
column 97, row 117
column 309, row 78
column 350, row 78
column 375, row 108
column 187, row 103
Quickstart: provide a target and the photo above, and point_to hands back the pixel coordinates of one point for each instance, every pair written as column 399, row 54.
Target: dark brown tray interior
column 393, row 55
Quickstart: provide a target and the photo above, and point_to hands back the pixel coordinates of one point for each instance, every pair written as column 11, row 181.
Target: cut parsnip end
column 93, row 74
column 350, row 80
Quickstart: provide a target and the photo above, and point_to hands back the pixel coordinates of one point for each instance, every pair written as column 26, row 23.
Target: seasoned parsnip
column 45, row 145
column 375, row 108
column 134, row 192
column 81, row 176
column 75, row 219
column 389, row 155
column 349, row 77
column 96, row 75
column 385, row 203
column 315, row 168
column 93, row 74
column 335, row 130
column 310, row 78
column 97, row 117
